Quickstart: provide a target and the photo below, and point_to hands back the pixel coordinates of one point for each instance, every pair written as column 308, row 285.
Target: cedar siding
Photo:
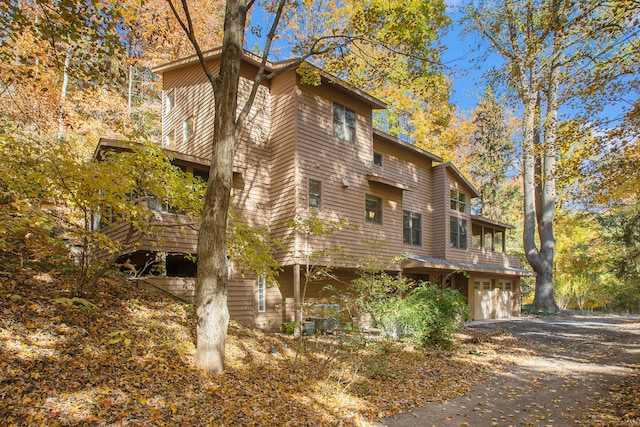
column 287, row 140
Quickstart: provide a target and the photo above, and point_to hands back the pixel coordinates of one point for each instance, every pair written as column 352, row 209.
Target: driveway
column 579, row 363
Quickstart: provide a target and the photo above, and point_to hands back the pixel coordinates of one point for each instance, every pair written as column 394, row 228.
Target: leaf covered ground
column 125, row 357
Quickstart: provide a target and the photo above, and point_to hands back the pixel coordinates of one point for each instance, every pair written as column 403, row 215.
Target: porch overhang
column 389, row 182
column 419, row 261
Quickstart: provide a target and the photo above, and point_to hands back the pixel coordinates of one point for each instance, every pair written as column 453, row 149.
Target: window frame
column 315, row 195
column 342, row 129
column 188, row 128
column 456, row 233
column 458, row 200
column 262, row 294
column 372, row 215
column 170, row 101
column 411, row 235
column 377, row 159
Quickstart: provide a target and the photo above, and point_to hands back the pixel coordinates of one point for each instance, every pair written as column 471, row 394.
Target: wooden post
column 296, row 294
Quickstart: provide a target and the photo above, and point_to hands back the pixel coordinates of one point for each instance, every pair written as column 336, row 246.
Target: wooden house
column 313, row 151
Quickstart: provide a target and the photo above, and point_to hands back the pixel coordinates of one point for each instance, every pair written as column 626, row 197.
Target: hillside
column 125, row 357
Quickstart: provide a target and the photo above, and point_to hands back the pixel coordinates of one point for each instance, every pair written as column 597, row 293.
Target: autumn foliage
column 127, row 356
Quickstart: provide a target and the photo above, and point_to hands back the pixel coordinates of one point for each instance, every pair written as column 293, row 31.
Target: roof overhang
column 405, row 145
column 487, row 221
column 454, row 170
column 269, row 66
column 419, row 261
column 120, row 146
column 389, row 182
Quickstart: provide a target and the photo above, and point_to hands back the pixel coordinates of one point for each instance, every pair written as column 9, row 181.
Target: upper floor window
column 458, row 200
column 344, row 123
column 458, row 232
column 377, row 159
column 188, row 128
column 169, row 101
column 412, row 228
column 315, row 194
column 373, row 209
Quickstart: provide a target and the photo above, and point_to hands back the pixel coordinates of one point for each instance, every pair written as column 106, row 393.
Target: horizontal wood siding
column 240, row 300
column 440, row 218
column 251, row 198
column 182, row 287
column 193, row 97
column 172, row 233
column 493, row 258
column 415, row 172
column 342, row 168
column 283, row 154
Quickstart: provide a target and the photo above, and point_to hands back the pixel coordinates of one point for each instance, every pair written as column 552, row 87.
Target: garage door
column 505, row 299
column 483, row 299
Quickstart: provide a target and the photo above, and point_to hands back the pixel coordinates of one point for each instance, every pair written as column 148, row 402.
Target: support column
column 296, row 294
column 402, row 292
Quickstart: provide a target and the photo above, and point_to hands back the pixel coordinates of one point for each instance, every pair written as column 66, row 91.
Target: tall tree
column 494, row 153
column 315, row 29
column 548, row 47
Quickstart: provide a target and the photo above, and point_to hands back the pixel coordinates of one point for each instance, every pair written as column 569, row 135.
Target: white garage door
column 505, row 299
column 483, row 299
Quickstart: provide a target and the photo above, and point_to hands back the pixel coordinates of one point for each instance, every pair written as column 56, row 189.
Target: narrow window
column 373, row 209
column 458, row 233
column 315, row 194
column 377, row 159
column 412, row 228
column 344, row 123
column 187, row 127
column 169, row 101
column 262, row 294
column 458, row 201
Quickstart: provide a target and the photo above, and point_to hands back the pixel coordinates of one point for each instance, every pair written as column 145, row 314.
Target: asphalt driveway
column 578, row 363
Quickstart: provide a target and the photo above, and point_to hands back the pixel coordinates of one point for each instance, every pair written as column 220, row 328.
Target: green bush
column 427, row 316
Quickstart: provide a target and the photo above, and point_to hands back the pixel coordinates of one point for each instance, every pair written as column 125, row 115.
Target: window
column 458, row 233
column 458, row 200
column 412, row 228
column 344, row 123
column 505, row 285
column 262, row 294
column 169, row 101
column 187, row 128
column 315, row 194
column 377, row 159
column 373, row 209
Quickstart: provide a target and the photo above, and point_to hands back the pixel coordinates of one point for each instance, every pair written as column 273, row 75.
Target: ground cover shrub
column 426, row 316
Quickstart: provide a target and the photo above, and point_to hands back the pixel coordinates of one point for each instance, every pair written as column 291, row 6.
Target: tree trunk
column 211, row 281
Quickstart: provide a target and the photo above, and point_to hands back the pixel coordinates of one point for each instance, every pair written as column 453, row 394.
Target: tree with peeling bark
column 317, row 30
column 555, row 52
